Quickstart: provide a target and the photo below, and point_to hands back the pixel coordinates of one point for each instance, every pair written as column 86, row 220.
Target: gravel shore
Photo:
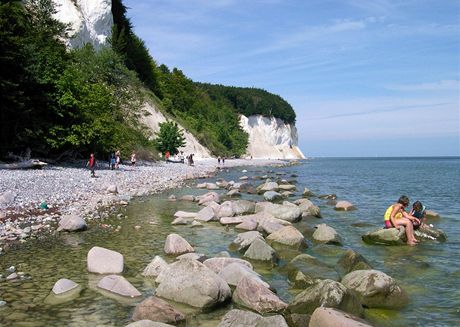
column 67, row 190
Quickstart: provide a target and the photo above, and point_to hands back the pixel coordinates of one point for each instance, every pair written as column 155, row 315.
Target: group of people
column 179, row 158
column 114, row 161
column 396, row 216
column 219, row 159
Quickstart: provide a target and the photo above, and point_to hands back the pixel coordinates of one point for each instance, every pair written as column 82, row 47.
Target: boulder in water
column 305, row 269
column 351, row 261
column 259, row 250
column 118, row 285
column 330, row 317
column 386, row 236
column 272, row 196
column 64, row 285
column 156, row 309
column 344, row 206
column 71, row 223
column 326, row 234
column 176, row 244
column 244, row 240
column 155, row 267
column 289, row 236
column 235, row 318
column 104, row 261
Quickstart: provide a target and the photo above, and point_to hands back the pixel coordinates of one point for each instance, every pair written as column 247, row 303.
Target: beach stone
column 112, row 188
column 244, row 240
column 272, row 196
column 376, row 289
column 328, row 196
column 267, row 186
column 7, row 197
column 155, row 267
column 325, row 293
column 63, row 285
column 330, row 317
column 191, row 282
column 243, row 207
column 259, row 250
column 304, row 270
column 148, row 323
column 212, row 186
column 232, row 220
column 201, row 185
column 427, row 233
column 240, row 318
column 233, row 192
column 283, row 212
column 289, row 236
column 252, row 294
column 196, row 224
column 210, row 196
column 308, row 209
column 172, row 198
column 118, row 285
column 248, row 224
column 326, row 234
column 234, row 272
column 243, row 178
column 218, row 263
column 71, row 223
column 189, row 198
column 156, row 309
column 287, row 187
column 222, row 183
column 386, row 236
column 307, row 193
column 224, row 254
column 351, row 261
column 104, row 261
column 205, row 214
column 269, row 225
column 344, row 206
column 193, row 256
column 12, row 276
column 185, row 214
column 180, row 221
column 431, row 214
column 247, row 188
column 225, row 210
column 176, row 244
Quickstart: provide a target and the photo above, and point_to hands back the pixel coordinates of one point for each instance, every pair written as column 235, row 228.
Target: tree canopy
column 170, row 138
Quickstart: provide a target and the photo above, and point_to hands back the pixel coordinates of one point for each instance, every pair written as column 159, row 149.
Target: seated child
column 396, row 216
column 418, row 211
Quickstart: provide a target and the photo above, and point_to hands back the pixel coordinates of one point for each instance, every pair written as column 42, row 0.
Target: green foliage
column 169, row 138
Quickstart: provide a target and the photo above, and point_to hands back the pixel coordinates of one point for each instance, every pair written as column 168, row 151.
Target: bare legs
column 409, row 228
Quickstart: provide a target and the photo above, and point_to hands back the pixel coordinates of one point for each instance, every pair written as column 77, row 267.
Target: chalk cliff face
column 271, row 138
column 90, row 21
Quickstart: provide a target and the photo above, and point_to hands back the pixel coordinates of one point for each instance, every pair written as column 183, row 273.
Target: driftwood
column 28, row 164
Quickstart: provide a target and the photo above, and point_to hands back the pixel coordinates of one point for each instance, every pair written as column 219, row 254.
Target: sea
column 428, row 272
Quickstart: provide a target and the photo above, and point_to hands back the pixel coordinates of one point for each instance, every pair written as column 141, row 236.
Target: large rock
column 118, row 285
column 326, row 234
column 272, row 196
column 376, row 289
column 287, row 187
column 148, row 323
column 283, row 212
column 351, row 261
column 259, row 250
column 225, row 210
column 208, row 197
column 304, row 270
column 185, row 214
column 344, row 206
column 427, row 233
column 252, row 294
column 249, row 225
column 240, row 318
column 206, row 214
column 234, row 272
column 71, row 223
column 267, row 186
column 244, row 240
column 191, row 282
column 386, row 236
column 431, row 214
column 307, row 193
column 155, row 267
column 176, row 244
column 156, row 309
column 218, row 263
column 104, row 261
column 330, row 317
column 326, row 293
column 64, row 285
column 7, row 197
column 189, row 198
column 308, row 209
column 243, row 207
column 288, row 236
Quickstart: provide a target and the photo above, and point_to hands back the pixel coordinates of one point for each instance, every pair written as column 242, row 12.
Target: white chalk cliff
column 271, row 138
column 91, row 21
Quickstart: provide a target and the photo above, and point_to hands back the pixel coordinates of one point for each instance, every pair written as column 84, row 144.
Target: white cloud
column 443, row 85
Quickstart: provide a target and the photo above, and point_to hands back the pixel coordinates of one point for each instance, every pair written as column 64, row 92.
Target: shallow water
column 428, row 272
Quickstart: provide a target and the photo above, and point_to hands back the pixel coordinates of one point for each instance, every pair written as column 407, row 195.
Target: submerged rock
column 427, row 233
column 259, row 250
column 156, row 309
column 237, row 318
column 351, row 261
column 155, row 267
column 118, row 285
column 288, row 236
column 344, row 206
column 64, row 285
column 304, row 270
column 326, row 234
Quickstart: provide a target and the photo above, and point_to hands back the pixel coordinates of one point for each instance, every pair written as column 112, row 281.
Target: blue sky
column 366, row 78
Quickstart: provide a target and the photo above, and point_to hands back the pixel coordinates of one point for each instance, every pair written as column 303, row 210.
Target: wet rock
column 176, row 244
column 155, row 267
column 185, row 214
column 330, row 317
column 351, row 261
column 206, row 214
column 71, row 223
column 386, row 236
column 431, row 214
column 244, row 240
column 218, row 263
column 304, row 270
column 307, row 193
column 326, row 234
column 283, row 212
column 190, row 198
column 211, row 196
column 243, row 207
column 308, row 209
column 196, row 224
column 172, row 198
column 233, row 193
column 193, row 256
column 428, row 233
column 376, row 289
column 298, row 319
column 344, row 206
column 234, row 272
column 63, row 285
column 181, row 221
column 148, row 323
column 272, row 196
column 259, row 250
column 328, row 196
column 225, row 210
column 156, row 309
column 118, row 285
column 288, row 236
column 267, row 186
column 104, row 261
column 237, row 318
column 252, row 294
column 191, row 282
column 325, row 293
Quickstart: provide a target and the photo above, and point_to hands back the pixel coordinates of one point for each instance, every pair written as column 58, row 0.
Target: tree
column 169, row 138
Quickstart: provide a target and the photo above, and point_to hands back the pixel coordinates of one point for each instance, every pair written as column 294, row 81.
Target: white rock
column 104, row 261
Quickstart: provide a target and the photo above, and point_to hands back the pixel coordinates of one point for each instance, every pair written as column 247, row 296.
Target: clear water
column 430, row 273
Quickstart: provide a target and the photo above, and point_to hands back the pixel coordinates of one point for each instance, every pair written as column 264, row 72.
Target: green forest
column 64, row 103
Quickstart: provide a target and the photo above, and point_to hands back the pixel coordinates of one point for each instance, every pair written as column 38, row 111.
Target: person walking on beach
column 133, row 159
column 167, row 155
column 117, row 159
column 218, row 160
column 92, row 164
column 396, row 216
column 112, row 161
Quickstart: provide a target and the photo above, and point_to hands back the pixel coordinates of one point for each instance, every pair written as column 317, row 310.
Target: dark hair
column 418, row 206
column 404, row 200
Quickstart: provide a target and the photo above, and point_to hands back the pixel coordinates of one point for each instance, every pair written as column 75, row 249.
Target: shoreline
column 71, row 190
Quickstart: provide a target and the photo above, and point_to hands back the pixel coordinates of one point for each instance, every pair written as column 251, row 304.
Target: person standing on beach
column 396, row 216
column 167, row 155
column 218, row 160
column 92, row 164
column 117, row 159
column 133, row 159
